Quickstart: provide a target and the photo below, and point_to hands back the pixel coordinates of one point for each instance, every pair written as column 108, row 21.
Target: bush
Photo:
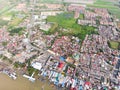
column 18, row 64
column 30, row 70
column 18, row 31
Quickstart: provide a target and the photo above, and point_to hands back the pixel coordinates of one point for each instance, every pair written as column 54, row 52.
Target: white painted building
column 37, row 65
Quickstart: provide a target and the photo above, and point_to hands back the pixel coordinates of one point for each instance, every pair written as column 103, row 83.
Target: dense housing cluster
column 72, row 49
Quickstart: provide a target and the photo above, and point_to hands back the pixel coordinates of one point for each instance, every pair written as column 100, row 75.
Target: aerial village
column 66, row 60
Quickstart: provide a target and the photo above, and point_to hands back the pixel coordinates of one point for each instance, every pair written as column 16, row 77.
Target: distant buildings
column 21, row 7
column 78, row 9
column 80, row 1
column 50, row 13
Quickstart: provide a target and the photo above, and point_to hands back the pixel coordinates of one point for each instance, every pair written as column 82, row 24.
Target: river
column 6, row 83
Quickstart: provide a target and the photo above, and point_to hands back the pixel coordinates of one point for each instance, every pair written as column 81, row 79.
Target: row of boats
column 9, row 72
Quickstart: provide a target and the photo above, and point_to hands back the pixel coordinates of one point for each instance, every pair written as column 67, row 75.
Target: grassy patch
column 67, row 21
column 113, row 44
column 10, row 13
column 3, row 22
column 81, row 16
column 18, row 64
column 16, row 21
column 51, row 1
column 4, row 43
column 7, row 8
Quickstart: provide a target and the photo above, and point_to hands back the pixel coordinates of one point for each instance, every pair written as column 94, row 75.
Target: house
column 45, row 27
column 70, row 60
column 50, row 13
column 21, row 7
column 60, row 65
column 36, row 65
column 62, row 58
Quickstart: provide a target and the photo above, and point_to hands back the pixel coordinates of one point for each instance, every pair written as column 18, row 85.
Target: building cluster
column 66, row 63
column 46, row 6
column 77, row 9
column 21, row 7
column 106, row 18
column 92, row 16
column 91, row 65
column 81, row 1
column 4, row 35
column 40, row 13
column 95, row 44
column 17, row 48
column 86, row 22
column 109, row 32
column 65, row 45
column 98, row 18
column 92, row 71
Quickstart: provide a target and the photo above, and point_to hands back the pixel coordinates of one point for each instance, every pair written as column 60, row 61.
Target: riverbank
column 21, row 83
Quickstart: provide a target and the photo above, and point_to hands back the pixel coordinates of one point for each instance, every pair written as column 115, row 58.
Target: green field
column 5, row 9
column 15, row 22
column 66, row 21
column 12, row 18
column 108, row 4
column 17, row 18
column 3, row 22
column 11, row 13
column 113, row 44
column 81, row 16
column 51, row 1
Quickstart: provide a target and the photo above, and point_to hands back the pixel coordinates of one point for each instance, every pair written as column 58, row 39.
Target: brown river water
column 6, row 83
